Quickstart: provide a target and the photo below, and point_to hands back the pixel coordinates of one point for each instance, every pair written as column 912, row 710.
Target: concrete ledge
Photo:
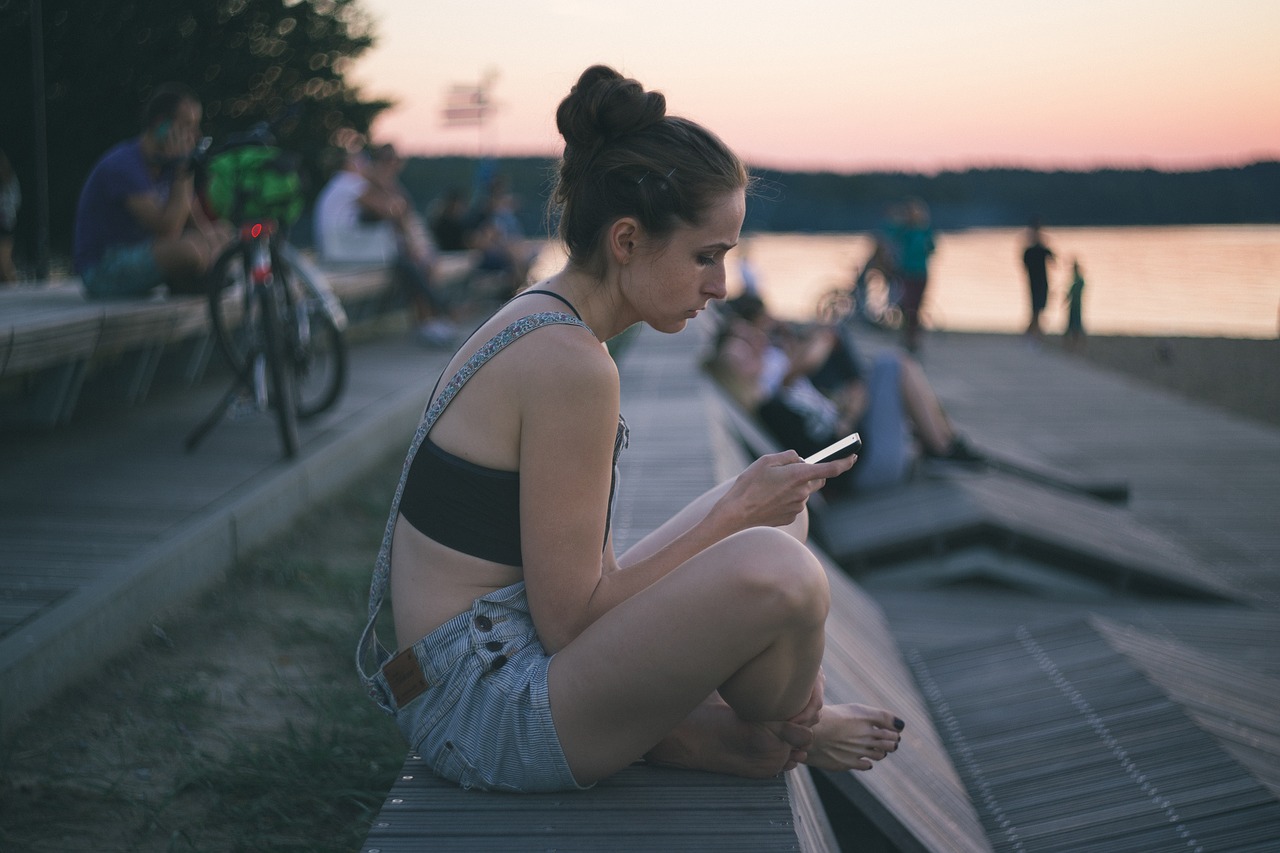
column 87, row 629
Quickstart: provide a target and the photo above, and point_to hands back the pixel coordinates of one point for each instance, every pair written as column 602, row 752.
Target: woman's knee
column 773, row 568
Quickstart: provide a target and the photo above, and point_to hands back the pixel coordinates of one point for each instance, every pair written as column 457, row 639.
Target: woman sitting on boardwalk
column 531, row 658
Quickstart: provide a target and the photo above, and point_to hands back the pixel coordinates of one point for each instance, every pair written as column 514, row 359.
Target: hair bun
column 604, row 105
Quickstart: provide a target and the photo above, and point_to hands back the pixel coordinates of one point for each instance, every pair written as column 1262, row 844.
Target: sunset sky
column 916, row 85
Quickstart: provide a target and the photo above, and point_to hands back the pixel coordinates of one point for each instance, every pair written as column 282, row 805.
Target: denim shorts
column 484, row 718
column 123, row 271
column 889, row 453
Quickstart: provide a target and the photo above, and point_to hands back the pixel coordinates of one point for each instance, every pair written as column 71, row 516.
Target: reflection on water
column 1195, row 281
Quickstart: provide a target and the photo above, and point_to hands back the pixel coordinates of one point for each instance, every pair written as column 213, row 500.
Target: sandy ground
column 1239, row 375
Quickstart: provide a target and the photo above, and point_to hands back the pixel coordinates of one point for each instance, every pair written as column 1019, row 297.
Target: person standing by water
column 531, row 658
column 1036, row 258
column 1075, row 308
column 915, row 246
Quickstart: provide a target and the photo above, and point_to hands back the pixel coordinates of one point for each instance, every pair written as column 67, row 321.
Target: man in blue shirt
column 138, row 223
column 915, row 245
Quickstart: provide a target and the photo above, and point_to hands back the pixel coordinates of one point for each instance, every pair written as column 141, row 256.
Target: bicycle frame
column 276, row 327
column 281, row 332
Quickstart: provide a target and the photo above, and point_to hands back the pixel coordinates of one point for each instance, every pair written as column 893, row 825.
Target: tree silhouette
column 250, row 60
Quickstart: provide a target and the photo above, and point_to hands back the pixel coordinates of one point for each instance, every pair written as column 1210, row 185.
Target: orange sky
column 918, row 85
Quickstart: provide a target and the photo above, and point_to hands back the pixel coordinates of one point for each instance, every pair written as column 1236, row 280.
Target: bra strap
column 553, row 295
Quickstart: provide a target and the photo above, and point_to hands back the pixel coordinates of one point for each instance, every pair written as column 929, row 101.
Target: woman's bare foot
column 851, row 737
column 713, row 738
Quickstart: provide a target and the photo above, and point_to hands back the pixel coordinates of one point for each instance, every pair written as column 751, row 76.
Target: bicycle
column 275, row 319
column 875, row 297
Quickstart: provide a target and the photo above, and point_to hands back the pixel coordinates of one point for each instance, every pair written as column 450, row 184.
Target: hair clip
column 665, row 177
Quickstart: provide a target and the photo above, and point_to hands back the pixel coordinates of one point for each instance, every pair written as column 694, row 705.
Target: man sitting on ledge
column 137, row 223
column 364, row 215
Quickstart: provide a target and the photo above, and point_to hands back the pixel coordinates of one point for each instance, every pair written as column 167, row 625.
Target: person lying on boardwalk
column 530, row 657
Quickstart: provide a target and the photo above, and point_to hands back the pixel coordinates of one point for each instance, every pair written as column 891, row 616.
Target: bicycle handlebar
column 258, row 134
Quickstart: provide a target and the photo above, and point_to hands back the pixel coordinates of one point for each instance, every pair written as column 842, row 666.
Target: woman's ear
column 622, row 238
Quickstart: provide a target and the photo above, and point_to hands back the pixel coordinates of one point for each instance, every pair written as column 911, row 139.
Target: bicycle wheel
column 881, row 306
column 319, row 362
column 315, row 343
column 282, row 394
column 232, row 311
column 834, row 306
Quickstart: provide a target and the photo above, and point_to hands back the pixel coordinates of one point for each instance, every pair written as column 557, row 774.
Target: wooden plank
column 915, row 797
column 1196, row 473
column 642, row 808
column 1067, row 747
column 1235, row 704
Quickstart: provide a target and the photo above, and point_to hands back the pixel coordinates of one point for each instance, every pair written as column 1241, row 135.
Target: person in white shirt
column 363, row 215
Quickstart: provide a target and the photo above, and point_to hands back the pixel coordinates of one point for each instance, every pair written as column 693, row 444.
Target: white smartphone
column 851, row 440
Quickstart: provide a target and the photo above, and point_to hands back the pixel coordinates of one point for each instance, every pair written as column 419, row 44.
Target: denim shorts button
column 494, row 645
column 483, row 623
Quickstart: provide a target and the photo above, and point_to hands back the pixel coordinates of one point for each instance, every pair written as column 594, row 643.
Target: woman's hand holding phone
column 851, row 440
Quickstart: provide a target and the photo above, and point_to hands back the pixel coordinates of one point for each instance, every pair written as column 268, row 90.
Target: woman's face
column 669, row 284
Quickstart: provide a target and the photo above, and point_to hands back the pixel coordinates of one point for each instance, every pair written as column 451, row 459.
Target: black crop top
column 471, row 508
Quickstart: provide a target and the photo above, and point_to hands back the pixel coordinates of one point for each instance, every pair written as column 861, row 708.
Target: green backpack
column 255, row 182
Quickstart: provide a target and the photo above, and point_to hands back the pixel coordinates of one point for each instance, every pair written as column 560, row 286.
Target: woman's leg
column 912, row 302
column 713, row 737
column 923, row 409
column 744, row 618
column 888, row 453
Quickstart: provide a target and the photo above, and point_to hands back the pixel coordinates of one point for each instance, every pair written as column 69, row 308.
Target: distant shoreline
column 1241, row 375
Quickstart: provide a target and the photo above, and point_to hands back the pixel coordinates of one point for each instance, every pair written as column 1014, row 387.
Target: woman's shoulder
column 548, row 342
column 562, row 372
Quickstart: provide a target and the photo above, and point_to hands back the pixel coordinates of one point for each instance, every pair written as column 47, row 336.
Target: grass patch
column 238, row 725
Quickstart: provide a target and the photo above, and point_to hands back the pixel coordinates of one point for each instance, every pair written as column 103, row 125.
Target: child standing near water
column 1075, row 299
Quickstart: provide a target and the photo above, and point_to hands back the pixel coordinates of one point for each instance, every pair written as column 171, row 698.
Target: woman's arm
column 167, row 220
column 566, row 454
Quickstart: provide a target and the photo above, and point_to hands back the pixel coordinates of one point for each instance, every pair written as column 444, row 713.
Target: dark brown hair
column 624, row 156
column 163, row 103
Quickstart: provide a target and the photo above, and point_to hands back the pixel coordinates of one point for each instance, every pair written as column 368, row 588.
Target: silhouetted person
column 1075, row 313
column 1036, row 258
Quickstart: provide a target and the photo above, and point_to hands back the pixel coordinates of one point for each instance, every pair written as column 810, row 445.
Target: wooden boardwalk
column 640, row 809
column 108, row 521
column 1207, row 479
column 105, row 521
column 993, row 585
column 1087, row 716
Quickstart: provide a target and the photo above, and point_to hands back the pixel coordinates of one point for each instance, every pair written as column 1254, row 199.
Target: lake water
column 1213, row 281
